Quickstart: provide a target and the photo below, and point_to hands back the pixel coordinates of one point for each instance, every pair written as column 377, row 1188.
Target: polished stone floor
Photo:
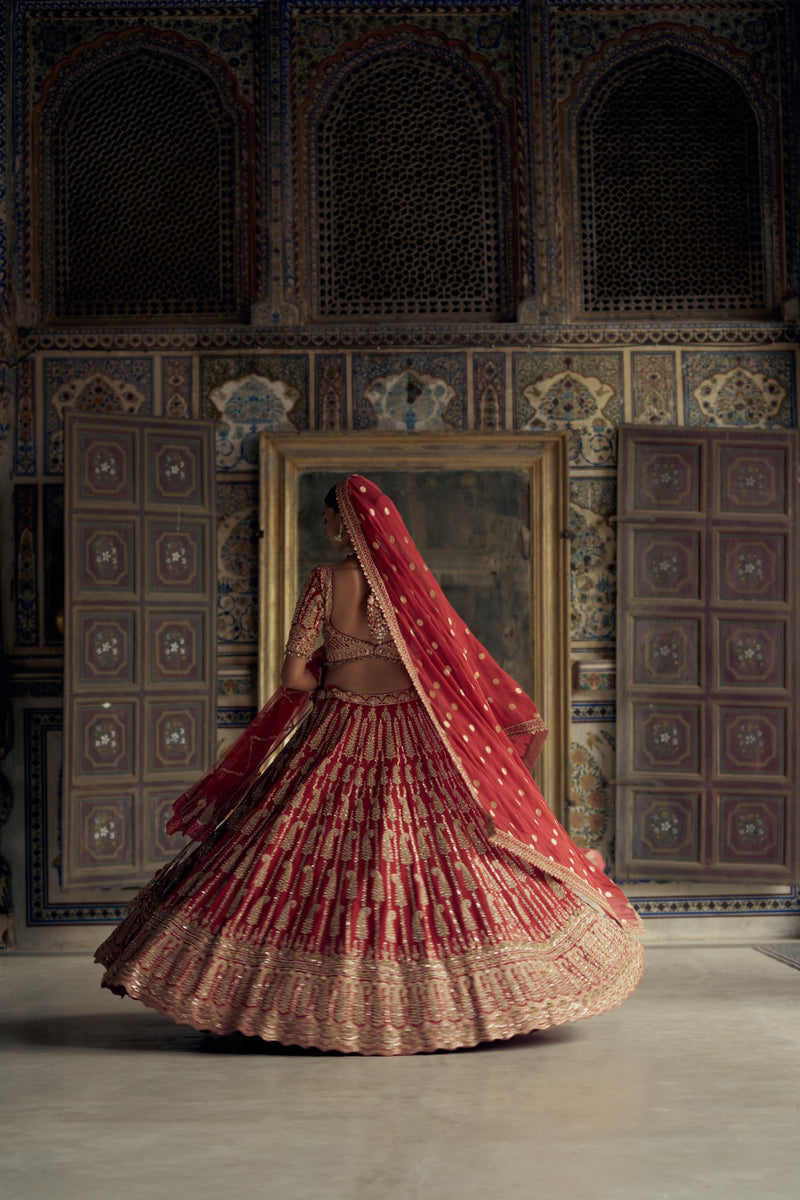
column 687, row 1092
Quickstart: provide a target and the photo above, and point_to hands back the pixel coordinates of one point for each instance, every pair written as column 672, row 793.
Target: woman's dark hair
column 330, row 500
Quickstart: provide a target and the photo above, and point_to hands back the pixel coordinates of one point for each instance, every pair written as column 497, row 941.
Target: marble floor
column 687, row 1092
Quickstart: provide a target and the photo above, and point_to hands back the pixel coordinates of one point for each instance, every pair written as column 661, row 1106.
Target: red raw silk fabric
column 491, row 729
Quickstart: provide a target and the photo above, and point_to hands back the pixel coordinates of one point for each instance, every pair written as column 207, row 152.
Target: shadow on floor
column 148, row 1031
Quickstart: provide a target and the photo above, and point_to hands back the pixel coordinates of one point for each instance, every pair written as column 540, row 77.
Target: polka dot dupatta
column 492, row 731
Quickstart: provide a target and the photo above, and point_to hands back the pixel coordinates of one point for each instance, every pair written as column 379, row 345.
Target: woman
column 393, row 881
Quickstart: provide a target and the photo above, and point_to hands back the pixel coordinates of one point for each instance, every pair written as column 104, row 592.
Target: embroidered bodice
column 313, row 616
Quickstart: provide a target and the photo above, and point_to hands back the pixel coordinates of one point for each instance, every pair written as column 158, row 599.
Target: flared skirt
column 355, row 902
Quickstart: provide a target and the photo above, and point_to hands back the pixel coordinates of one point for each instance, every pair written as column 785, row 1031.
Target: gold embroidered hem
column 378, row 1006
column 355, row 901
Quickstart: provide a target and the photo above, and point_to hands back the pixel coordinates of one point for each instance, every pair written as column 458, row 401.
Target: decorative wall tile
column 235, row 718
column 579, row 392
column 591, row 711
column 752, row 904
column 237, row 562
column 95, row 385
column 247, row 406
column 7, row 405
column 754, row 390
column 654, row 400
column 421, row 392
column 26, row 605
column 319, row 31
column 235, row 682
column 591, row 757
column 598, row 678
column 489, row 387
column 176, row 386
column 249, row 394
column 575, row 34
column 25, row 456
column 231, row 36
column 53, row 563
column 593, row 549
column 330, row 376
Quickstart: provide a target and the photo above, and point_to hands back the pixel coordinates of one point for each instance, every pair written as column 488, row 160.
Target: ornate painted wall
column 520, row 353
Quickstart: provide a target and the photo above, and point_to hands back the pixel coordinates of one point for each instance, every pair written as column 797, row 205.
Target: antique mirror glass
column 488, row 514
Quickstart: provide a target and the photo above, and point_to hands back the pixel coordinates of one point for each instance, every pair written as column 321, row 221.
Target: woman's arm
column 303, row 636
column 295, row 674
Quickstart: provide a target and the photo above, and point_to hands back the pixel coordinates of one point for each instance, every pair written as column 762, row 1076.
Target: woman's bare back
column 349, row 615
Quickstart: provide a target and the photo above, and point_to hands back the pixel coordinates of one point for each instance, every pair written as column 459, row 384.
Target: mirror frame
column 542, row 456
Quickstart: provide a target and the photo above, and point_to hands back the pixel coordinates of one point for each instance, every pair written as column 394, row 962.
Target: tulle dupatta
column 491, row 729
column 214, row 796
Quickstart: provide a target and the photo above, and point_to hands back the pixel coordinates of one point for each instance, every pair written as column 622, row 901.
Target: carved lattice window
column 408, row 206
column 142, row 200
column 670, row 186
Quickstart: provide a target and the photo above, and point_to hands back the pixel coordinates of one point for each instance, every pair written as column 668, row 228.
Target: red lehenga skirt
column 355, row 903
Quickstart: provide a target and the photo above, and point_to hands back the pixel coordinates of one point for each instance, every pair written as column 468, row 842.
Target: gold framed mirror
column 489, row 514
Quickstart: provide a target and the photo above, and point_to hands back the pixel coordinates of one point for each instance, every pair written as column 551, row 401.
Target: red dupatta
column 491, row 729
column 213, row 797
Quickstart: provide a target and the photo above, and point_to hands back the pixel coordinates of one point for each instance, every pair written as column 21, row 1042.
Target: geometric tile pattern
column 140, row 683
column 706, row 660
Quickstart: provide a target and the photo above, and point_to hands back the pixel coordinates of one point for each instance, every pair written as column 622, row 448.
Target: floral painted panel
column 753, row 391
column 706, row 660
column 579, row 392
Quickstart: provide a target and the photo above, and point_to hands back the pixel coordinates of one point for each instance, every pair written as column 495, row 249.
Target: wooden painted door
column 140, row 638
column 706, row 656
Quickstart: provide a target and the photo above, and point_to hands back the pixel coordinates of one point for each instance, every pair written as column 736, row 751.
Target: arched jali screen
column 407, row 164
column 143, row 145
column 674, row 190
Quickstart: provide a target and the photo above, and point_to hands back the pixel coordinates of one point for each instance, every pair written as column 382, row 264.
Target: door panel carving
column 707, row 714
column 139, row 702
